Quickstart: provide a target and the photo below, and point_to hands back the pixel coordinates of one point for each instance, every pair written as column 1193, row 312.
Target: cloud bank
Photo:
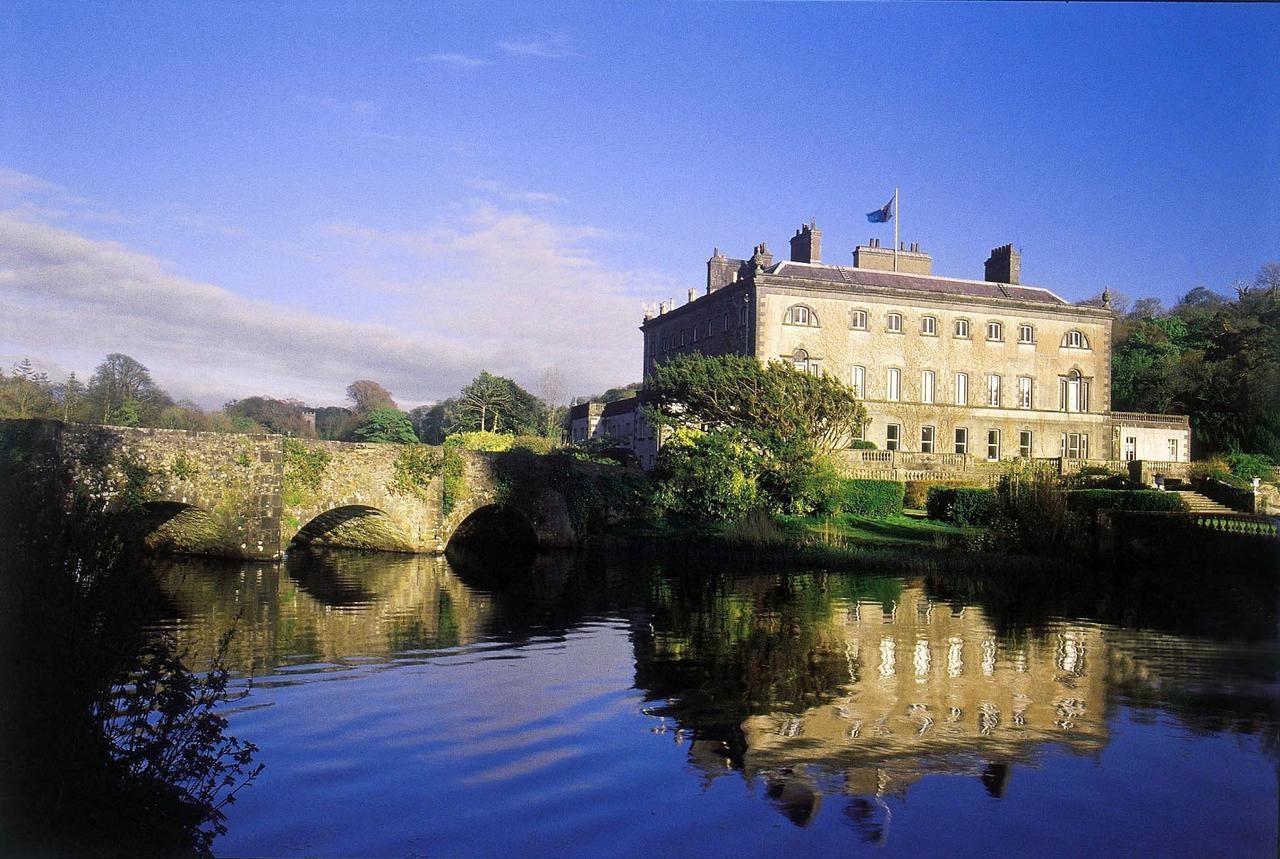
column 495, row 289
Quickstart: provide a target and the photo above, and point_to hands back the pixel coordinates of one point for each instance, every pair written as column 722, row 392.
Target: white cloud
column 499, row 290
column 457, row 60
column 514, row 195
column 545, row 45
column 36, row 198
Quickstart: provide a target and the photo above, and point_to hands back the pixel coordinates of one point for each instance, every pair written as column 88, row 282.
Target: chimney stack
column 806, row 244
column 1004, row 265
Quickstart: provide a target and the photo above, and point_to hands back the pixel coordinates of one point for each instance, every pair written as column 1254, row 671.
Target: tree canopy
column 771, row 403
column 367, row 395
column 495, row 404
column 385, row 424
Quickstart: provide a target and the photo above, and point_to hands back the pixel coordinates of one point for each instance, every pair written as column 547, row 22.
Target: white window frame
column 927, row 387
column 929, row 326
column 993, row 390
column 1026, row 333
column 1173, row 450
column 1025, row 441
column 1075, row 339
column 858, row 381
column 893, row 385
column 858, row 320
column 962, row 389
column 893, row 323
column 993, row 445
column 961, row 437
column 1026, row 392
column 893, row 437
column 998, row 328
column 962, row 329
column 928, row 436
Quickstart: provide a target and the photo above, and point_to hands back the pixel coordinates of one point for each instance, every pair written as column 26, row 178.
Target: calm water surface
column 593, row 706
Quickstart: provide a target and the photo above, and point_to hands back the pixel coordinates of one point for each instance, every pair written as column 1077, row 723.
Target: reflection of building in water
column 322, row 607
column 928, row 689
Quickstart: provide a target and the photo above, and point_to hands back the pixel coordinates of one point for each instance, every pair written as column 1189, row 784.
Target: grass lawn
column 909, row 529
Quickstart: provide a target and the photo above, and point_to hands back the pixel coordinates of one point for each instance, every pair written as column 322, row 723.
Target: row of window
column 699, row 331
column 800, row 314
column 1073, row 389
column 1074, row 445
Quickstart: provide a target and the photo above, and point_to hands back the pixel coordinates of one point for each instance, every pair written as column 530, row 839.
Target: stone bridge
column 244, row 496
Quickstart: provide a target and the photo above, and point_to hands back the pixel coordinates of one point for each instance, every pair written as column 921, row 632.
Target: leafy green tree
column 431, row 422
column 706, row 476
column 70, row 397
column 773, row 404
column 27, row 393
column 283, row 417
column 496, row 404
column 385, row 424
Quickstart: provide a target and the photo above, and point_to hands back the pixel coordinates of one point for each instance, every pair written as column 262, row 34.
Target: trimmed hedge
column 863, row 444
column 874, row 499
column 917, row 494
column 961, row 505
column 1093, row 500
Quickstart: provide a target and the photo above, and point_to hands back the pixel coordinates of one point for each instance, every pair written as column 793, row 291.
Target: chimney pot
column 806, row 244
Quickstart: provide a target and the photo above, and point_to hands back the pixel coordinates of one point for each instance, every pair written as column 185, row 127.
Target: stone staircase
column 1198, row 503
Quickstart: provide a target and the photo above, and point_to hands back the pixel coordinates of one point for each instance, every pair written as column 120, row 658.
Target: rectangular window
column 926, row 439
column 1173, row 450
column 1075, row 445
column 962, row 389
column 1130, row 448
column 684, row 337
column 1024, row 392
column 893, row 437
column 894, row 391
column 1024, row 444
column 858, row 381
column 962, row 440
column 695, row 334
column 859, row 432
column 929, row 326
column 993, row 444
column 858, row 320
column 742, row 316
column 726, row 323
column 894, row 322
column 995, row 331
column 1026, row 334
column 926, row 386
column 962, row 328
column 993, row 390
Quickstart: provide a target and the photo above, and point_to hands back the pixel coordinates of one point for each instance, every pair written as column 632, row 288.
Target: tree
column 120, row 379
column 773, row 403
column 283, row 417
column 368, row 395
column 706, row 476
column 430, row 422
column 27, row 393
column 70, row 396
column 335, row 422
column 385, row 424
column 551, row 391
column 495, row 404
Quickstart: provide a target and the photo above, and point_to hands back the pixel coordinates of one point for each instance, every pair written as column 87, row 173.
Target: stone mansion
column 986, row 369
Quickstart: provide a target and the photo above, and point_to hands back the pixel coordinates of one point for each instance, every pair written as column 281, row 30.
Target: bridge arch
column 353, row 526
column 177, row 527
column 494, row 525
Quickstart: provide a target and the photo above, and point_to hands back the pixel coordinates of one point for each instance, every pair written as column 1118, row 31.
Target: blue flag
column 882, row 215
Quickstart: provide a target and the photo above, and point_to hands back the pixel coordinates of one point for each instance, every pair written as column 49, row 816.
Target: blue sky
column 257, row 198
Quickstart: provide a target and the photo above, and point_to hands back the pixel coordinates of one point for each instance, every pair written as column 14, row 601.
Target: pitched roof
column 855, row 277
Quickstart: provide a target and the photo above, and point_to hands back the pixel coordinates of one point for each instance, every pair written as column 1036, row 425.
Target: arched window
column 1073, row 392
column 893, row 322
column 929, row 326
column 1075, row 339
column 995, row 331
column 962, row 328
column 858, row 320
column 1026, row 333
column 801, row 361
column 799, row 314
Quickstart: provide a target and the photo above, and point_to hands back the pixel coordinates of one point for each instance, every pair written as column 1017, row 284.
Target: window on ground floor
column 993, row 444
column 1075, row 445
column 1173, row 450
column 1024, row 444
column 893, row 437
column 926, row 439
column 962, row 440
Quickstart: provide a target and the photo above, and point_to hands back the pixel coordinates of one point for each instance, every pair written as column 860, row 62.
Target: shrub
column 863, row 444
column 535, row 443
column 874, row 499
column 1250, row 465
column 815, row 489
column 480, row 440
column 1093, row 500
column 917, row 491
column 707, row 477
column 962, row 505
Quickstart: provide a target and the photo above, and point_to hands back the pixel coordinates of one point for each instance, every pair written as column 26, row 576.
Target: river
column 604, row 704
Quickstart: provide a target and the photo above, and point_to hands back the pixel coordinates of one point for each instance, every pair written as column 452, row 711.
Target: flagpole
column 895, row 229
